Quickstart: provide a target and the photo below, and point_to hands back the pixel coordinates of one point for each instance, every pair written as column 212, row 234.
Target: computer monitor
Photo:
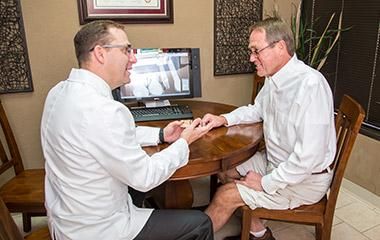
column 161, row 74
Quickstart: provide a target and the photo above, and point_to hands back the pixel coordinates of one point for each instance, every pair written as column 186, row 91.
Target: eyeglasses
column 126, row 49
column 256, row 52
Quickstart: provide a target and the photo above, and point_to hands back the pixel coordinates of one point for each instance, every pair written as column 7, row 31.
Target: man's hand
column 251, row 180
column 194, row 131
column 213, row 121
column 173, row 131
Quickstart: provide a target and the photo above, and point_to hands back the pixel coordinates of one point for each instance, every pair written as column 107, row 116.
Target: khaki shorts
column 310, row 191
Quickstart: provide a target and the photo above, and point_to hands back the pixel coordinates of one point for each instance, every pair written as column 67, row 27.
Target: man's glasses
column 126, row 49
column 256, row 52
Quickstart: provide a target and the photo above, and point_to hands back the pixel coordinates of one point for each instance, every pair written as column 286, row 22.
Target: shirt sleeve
column 147, row 136
column 112, row 141
column 313, row 135
column 247, row 114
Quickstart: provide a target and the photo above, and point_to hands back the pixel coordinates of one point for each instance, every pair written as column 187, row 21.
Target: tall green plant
column 321, row 45
column 310, row 47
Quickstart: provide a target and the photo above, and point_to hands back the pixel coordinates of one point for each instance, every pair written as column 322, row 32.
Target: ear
column 99, row 54
column 282, row 46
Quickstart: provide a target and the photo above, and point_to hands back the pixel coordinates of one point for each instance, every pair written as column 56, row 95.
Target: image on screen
column 159, row 73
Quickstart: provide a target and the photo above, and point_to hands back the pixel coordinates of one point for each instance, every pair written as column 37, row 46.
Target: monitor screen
column 163, row 73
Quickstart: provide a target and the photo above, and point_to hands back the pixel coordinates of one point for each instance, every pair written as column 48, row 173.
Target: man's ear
column 99, row 54
column 282, row 46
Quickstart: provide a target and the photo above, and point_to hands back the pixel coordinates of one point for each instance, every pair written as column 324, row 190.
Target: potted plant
column 310, row 47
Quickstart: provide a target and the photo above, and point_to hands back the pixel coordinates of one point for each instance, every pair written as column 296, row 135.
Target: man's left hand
column 251, row 180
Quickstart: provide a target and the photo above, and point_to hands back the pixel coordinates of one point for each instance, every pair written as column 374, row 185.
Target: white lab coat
column 93, row 153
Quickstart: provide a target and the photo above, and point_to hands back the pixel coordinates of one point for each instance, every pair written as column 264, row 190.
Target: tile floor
column 355, row 219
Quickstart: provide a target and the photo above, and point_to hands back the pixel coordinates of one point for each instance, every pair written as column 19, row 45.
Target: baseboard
column 361, row 192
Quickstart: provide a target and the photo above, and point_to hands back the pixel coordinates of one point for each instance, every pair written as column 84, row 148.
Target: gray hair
column 275, row 30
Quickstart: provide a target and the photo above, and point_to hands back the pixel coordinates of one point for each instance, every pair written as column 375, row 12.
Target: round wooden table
column 219, row 150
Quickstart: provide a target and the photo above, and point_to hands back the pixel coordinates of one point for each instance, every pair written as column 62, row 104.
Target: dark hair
column 92, row 34
column 275, row 30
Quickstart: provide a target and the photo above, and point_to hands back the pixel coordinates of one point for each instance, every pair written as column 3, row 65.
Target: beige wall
column 364, row 166
column 50, row 27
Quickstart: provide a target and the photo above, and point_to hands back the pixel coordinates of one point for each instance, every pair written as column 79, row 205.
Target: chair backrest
column 8, row 228
column 15, row 158
column 258, row 83
column 347, row 123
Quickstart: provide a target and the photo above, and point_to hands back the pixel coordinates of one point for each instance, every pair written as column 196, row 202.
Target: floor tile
column 232, row 228
column 299, row 232
column 377, row 210
column 344, row 231
column 337, row 220
column 276, row 226
column 373, row 233
column 344, row 199
column 37, row 222
column 359, row 216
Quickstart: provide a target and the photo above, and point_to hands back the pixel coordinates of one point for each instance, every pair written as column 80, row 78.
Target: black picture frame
column 141, row 11
column 232, row 20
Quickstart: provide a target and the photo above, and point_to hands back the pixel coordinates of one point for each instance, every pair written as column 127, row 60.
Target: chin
column 260, row 73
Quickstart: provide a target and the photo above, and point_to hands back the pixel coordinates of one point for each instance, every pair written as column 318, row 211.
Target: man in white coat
column 296, row 107
column 93, row 151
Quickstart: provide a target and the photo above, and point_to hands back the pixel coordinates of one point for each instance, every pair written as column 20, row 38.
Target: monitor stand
column 156, row 103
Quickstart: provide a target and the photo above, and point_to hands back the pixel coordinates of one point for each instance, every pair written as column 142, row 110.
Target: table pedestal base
column 174, row 195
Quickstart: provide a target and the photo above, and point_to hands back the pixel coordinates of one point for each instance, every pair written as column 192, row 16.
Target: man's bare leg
column 257, row 225
column 223, row 205
column 228, row 176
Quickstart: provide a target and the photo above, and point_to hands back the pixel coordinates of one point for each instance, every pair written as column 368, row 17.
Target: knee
column 226, row 195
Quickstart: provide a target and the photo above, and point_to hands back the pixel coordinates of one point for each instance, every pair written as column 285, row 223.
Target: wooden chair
column 24, row 192
column 258, row 83
column 9, row 230
column 347, row 123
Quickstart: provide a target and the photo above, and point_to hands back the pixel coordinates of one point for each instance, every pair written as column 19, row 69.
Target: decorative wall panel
column 15, row 75
column 232, row 19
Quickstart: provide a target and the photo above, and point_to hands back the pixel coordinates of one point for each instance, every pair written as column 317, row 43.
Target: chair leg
column 318, row 231
column 246, row 223
column 326, row 232
column 213, row 185
column 27, row 222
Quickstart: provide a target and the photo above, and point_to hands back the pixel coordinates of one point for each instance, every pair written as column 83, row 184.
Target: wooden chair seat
column 25, row 191
column 305, row 214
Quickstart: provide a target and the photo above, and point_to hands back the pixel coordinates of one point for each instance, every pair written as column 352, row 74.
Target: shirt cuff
column 229, row 119
column 147, row 136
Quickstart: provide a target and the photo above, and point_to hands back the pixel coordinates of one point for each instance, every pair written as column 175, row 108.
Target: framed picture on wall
column 126, row 11
column 232, row 20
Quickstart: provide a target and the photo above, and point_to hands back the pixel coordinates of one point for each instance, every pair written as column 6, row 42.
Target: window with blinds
column 353, row 67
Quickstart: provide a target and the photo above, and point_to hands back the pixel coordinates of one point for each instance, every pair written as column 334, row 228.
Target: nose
column 132, row 58
column 252, row 57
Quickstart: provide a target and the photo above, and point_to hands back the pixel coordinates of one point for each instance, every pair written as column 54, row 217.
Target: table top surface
column 220, row 149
